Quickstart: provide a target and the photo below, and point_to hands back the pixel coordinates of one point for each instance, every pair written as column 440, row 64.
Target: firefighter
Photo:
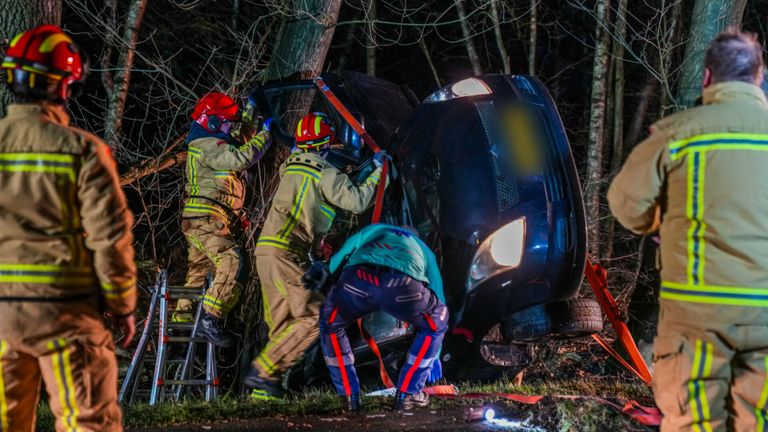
column 303, row 209
column 700, row 178
column 66, row 251
column 213, row 211
column 385, row 268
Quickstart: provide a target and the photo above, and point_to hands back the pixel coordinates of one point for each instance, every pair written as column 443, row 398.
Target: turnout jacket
column 65, row 229
column 304, row 206
column 214, row 187
column 393, row 247
column 702, row 175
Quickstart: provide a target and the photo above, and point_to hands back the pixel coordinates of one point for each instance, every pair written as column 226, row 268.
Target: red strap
column 385, row 379
column 356, row 126
column 596, row 276
column 379, row 205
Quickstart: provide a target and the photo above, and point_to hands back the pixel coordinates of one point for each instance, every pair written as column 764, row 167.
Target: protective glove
column 378, row 158
column 267, row 125
column 317, row 276
column 436, row 372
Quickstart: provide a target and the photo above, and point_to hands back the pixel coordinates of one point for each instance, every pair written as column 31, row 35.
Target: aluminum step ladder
column 141, row 381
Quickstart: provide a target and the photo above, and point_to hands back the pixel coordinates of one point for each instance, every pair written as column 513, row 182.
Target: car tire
column 575, row 318
column 560, row 319
column 528, row 325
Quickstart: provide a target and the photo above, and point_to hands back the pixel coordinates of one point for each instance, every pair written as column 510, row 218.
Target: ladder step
column 191, row 382
column 180, row 326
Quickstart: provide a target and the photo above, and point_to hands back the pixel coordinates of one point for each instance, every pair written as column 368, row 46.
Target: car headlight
column 502, row 250
column 463, row 88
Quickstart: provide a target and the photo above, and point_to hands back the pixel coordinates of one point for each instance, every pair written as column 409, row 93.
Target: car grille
column 506, row 185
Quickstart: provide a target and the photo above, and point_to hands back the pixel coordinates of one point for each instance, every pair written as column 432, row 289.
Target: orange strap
column 377, row 207
column 385, row 379
column 596, row 276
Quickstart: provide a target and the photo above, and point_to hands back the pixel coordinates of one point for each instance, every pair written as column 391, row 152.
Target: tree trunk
column 117, row 94
column 474, row 59
column 668, row 46
column 709, row 17
column 638, row 117
column 303, row 40
column 499, row 38
column 17, row 16
column 370, row 49
column 617, row 125
column 617, row 154
column 533, row 36
column 597, row 119
column 345, row 51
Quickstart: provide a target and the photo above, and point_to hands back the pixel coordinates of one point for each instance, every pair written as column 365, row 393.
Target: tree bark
column 370, row 49
column 499, row 38
column 474, row 59
column 597, row 117
column 17, row 16
column 617, row 124
column 303, row 40
column 638, row 117
column 709, row 17
column 117, row 94
column 533, row 36
column 617, row 154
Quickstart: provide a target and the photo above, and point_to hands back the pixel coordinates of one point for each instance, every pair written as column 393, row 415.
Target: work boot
column 351, row 404
column 263, row 388
column 210, row 329
column 405, row 401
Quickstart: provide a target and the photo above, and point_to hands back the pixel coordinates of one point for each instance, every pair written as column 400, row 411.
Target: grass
column 555, row 414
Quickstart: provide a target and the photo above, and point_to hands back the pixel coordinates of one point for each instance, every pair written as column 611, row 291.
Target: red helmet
column 213, row 109
column 43, row 62
column 314, row 132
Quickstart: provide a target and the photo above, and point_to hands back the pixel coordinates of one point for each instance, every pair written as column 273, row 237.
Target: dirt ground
column 446, row 419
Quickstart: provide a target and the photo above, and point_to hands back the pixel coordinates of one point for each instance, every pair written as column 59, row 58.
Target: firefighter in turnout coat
column 214, row 210
column 66, row 251
column 303, row 209
column 701, row 177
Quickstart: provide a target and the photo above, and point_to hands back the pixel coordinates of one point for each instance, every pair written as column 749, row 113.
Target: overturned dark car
column 483, row 169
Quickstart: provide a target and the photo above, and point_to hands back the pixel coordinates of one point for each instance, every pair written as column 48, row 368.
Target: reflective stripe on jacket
column 304, row 205
column 214, row 187
column 65, row 228
column 702, row 175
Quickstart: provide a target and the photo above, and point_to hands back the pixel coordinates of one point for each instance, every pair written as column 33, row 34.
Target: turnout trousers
column 67, row 346
column 710, row 375
column 364, row 289
column 290, row 311
column 212, row 247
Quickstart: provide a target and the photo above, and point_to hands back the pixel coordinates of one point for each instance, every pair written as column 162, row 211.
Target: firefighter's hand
column 127, row 325
column 379, row 157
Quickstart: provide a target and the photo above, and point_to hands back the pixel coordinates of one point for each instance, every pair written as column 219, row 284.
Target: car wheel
column 575, row 318
column 560, row 319
column 528, row 325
